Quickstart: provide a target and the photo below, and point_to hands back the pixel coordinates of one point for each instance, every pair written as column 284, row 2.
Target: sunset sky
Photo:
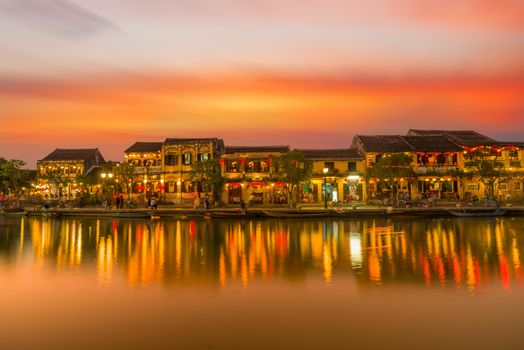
column 309, row 73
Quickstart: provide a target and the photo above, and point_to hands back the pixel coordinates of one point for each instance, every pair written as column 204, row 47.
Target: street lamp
column 106, row 176
column 325, row 171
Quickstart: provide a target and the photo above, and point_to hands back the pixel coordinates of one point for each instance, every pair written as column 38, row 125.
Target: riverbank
column 216, row 213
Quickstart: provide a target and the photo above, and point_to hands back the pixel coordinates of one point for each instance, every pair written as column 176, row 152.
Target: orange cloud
column 114, row 110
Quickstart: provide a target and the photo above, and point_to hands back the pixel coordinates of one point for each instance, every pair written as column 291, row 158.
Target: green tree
column 56, row 177
column 207, row 176
column 293, row 169
column 488, row 172
column 125, row 174
column 392, row 168
column 12, row 177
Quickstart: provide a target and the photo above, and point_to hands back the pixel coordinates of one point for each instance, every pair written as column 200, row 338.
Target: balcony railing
column 439, row 169
column 155, row 169
column 148, row 170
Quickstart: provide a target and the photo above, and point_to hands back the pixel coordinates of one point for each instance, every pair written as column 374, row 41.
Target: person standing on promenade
column 206, row 202
column 196, row 203
column 154, row 204
column 242, row 206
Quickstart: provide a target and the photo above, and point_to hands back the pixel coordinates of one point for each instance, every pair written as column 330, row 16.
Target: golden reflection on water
column 451, row 252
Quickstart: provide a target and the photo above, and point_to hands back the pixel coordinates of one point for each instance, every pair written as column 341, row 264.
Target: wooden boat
column 49, row 214
column 478, row 212
column 13, row 212
column 230, row 215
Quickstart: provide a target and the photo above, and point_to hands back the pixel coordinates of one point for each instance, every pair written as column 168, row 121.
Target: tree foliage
column 207, row 176
column 293, row 168
column 488, row 172
column 12, row 176
column 125, row 173
column 393, row 168
column 56, row 177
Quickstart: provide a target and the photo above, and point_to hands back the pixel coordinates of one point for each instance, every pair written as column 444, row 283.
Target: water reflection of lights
column 442, row 252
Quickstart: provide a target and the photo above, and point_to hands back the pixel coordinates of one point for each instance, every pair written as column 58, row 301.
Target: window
column 514, row 155
column 203, row 156
column 187, row 158
column 187, row 187
column 503, row 186
column 330, row 166
column 232, row 166
column 171, row 159
column 251, row 167
column 517, row 186
column 352, row 166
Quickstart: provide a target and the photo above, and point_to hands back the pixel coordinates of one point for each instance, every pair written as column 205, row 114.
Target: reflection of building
column 248, row 173
column 146, row 158
column 343, row 178
column 59, row 170
column 443, row 252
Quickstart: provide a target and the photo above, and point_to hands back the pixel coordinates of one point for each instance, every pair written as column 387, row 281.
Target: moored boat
column 230, row 215
column 13, row 212
column 478, row 212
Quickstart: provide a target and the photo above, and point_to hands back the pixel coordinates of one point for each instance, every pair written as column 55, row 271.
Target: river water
column 261, row 284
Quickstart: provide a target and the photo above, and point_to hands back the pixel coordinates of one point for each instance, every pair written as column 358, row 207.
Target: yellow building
column 146, row 158
column 337, row 176
column 477, row 147
column 178, row 156
column 248, row 174
column 436, row 164
column 58, row 172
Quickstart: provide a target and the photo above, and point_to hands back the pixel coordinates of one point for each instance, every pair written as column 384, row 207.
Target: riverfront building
column 248, row 172
column 445, row 165
column 179, row 155
column 146, row 158
column 337, row 174
column 59, row 171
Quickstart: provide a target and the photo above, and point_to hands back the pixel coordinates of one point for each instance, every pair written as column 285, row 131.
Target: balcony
column 436, row 169
column 148, row 170
column 155, row 169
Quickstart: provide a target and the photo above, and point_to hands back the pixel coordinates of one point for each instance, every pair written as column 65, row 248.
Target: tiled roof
column 519, row 144
column 145, row 147
column 432, row 143
column 331, row 154
column 71, row 154
column 462, row 137
column 384, row 143
column 256, row 149
column 192, row 139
